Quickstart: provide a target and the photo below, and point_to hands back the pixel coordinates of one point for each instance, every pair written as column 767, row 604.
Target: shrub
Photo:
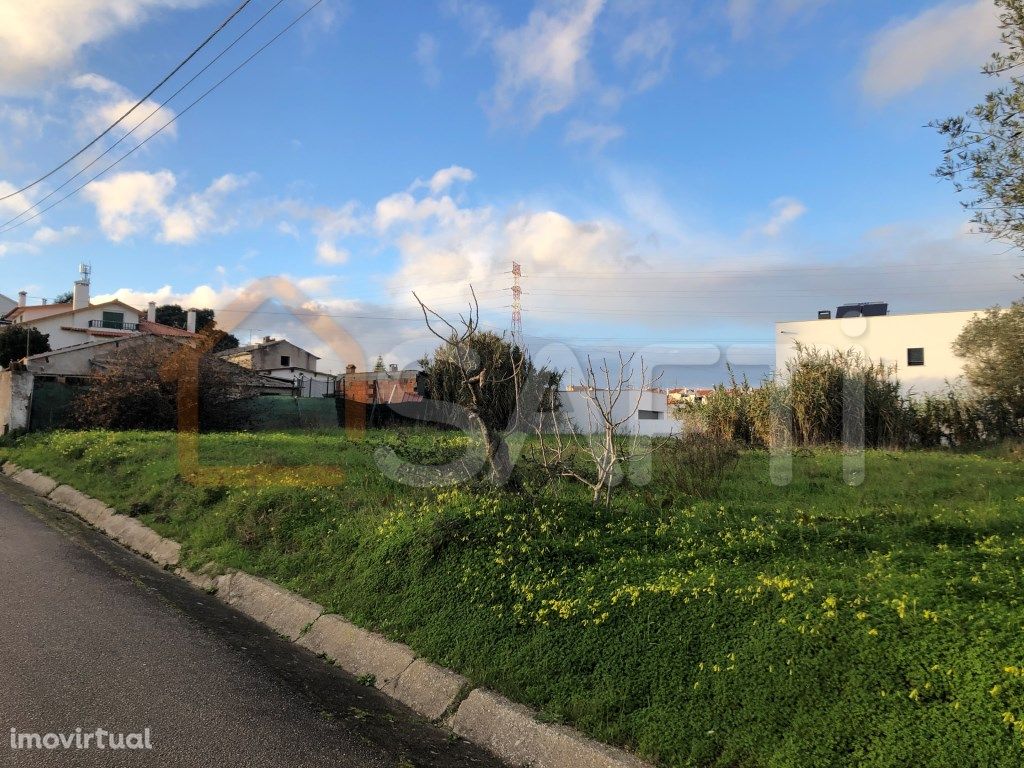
column 695, row 464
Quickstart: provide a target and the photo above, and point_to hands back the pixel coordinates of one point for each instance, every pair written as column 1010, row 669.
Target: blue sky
column 664, row 171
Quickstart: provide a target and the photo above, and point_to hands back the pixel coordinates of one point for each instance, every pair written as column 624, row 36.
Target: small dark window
column 641, row 414
column 286, row 360
column 915, row 356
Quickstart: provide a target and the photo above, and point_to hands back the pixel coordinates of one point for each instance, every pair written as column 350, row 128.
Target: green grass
column 805, row 625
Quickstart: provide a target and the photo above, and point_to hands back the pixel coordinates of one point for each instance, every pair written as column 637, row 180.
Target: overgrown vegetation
column 18, row 341
column 802, row 625
column 817, row 399
column 163, row 384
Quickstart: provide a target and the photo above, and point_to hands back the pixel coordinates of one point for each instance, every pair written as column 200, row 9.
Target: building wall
column 886, row 338
column 269, row 358
column 576, row 404
column 15, row 400
column 60, row 338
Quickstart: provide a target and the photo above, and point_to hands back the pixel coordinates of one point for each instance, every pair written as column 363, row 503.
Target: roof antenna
column 84, row 273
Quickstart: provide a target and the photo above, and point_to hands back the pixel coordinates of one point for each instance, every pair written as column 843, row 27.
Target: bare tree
column 485, row 375
column 606, row 444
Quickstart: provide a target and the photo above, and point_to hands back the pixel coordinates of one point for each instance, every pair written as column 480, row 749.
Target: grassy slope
column 807, row 625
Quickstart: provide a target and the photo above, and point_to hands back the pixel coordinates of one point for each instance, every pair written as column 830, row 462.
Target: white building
column 651, row 416
column 919, row 346
column 81, row 321
column 283, row 360
column 6, row 304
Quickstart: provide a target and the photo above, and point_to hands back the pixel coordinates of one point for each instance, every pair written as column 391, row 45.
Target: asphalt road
column 93, row 636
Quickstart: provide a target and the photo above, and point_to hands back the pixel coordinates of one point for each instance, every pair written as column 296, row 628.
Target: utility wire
column 153, row 90
column 160, row 106
column 133, row 150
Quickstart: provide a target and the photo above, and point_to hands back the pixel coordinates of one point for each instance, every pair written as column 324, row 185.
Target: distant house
column 79, row 321
column 285, row 361
column 680, row 395
column 385, row 387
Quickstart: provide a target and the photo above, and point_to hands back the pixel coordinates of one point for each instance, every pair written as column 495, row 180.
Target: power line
column 153, row 90
column 160, row 106
column 141, row 144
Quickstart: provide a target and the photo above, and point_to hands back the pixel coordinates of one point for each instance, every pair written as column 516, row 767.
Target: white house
column 6, row 304
column 651, row 416
column 81, row 321
column 919, row 346
column 283, row 360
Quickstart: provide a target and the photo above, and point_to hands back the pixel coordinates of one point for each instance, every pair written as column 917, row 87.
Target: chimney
column 151, row 312
column 22, row 298
column 190, row 322
column 350, row 368
column 394, row 367
column 267, row 339
column 80, row 295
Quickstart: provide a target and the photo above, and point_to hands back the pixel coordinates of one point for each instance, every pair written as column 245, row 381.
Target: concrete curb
column 509, row 730
column 283, row 611
column 512, row 732
column 41, row 484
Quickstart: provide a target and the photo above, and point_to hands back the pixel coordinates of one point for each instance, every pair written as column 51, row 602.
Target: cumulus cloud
column 106, row 101
column 928, row 47
column 785, row 210
column 445, row 177
column 137, row 202
column 40, row 38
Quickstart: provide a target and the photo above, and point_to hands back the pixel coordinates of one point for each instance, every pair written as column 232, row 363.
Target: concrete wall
column 577, row 405
column 15, row 400
column 887, row 339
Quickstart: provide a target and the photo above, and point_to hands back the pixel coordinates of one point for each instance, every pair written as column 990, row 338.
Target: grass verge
column 804, row 625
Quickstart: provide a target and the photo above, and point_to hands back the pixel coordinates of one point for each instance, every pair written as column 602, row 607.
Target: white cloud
column 649, row 48
column 39, row 38
column 14, row 203
column 50, row 236
column 445, row 177
column 785, row 210
column 329, row 253
column 109, row 101
column 139, row 202
column 542, row 65
column 597, row 135
column 936, row 43
column 426, row 56
column 744, row 15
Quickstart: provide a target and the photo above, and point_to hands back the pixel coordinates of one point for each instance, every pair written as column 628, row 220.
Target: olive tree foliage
column 21, row 340
column 992, row 345
column 491, row 378
column 984, row 156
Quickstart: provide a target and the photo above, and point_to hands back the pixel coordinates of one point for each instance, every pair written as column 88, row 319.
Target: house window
column 915, row 356
column 286, row 361
column 113, row 319
column 641, row 414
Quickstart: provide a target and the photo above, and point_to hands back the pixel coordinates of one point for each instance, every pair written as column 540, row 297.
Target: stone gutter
column 509, row 730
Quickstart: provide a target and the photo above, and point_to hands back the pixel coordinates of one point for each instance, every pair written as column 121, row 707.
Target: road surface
column 93, row 636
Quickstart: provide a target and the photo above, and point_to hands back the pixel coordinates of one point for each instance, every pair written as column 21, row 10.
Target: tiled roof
column 159, row 329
